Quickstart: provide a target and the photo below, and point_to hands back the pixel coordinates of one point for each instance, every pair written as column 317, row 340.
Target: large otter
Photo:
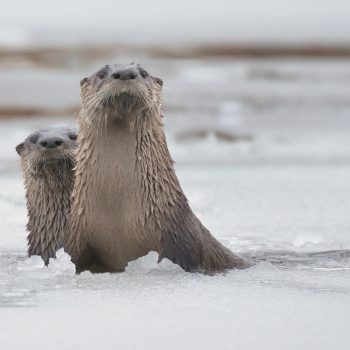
column 48, row 158
column 127, row 199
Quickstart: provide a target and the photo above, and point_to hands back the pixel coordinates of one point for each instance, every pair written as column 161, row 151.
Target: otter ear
column 83, row 81
column 158, row 81
column 20, row 148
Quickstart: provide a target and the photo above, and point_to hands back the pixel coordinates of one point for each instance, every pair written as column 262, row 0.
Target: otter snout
column 50, row 142
column 126, row 73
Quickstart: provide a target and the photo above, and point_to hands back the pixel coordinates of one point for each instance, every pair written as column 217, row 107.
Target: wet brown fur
column 127, row 199
column 49, row 183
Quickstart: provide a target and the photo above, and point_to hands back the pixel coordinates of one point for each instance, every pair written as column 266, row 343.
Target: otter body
column 109, row 230
column 47, row 159
column 127, row 199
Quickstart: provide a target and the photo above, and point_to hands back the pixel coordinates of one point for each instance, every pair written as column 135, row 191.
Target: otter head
column 119, row 92
column 45, row 151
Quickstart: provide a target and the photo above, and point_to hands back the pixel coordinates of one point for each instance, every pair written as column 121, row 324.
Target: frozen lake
column 263, row 154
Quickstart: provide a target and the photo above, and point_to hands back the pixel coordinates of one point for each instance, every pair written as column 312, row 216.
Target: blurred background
column 256, row 103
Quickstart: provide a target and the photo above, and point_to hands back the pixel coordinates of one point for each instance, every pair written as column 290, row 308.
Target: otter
column 127, row 199
column 48, row 159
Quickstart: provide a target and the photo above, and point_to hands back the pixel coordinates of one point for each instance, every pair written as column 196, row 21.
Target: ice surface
column 292, row 298
column 280, row 199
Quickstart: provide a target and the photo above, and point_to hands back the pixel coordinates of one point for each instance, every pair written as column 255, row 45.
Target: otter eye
column 144, row 74
column 101, row 75
column 73, row 136
column 33, row 139
column 83, row 81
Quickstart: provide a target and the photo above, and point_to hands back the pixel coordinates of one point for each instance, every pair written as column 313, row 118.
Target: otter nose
column 125, row 74
column 51, row 142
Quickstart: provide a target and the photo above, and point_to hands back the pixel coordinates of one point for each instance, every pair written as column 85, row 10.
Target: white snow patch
column 304, row 240
column 150, row 263
column 32, row 263
column 62, row 265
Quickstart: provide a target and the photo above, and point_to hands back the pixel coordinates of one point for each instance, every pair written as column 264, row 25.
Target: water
column 262, row 151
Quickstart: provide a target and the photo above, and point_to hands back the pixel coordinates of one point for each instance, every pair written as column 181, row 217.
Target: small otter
column 48, row 159
column 127, row 200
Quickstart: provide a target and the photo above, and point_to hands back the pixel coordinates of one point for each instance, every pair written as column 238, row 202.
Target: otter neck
column 48, row 203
